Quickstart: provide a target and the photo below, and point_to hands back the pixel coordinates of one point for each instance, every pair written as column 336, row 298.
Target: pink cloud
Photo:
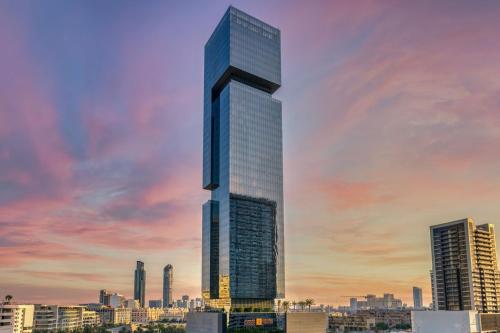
column 391, row 123
column 62, row 295
column 348, row 195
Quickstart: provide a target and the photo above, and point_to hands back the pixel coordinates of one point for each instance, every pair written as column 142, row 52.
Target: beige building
column 109, row 315
column 90, row 318
column 16, row 318
column 132, row 304
column 70, row 317
column 173, row 314
column 146, row 315
column 465, row 273
column 50, row 318
column 306, row 322
column 122, row 316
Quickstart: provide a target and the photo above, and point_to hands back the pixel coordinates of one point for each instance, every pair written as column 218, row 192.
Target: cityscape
column 227, row 267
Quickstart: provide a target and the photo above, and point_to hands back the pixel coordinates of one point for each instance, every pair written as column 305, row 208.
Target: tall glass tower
column 168, row 280
column 140, row 283
column 243, row 249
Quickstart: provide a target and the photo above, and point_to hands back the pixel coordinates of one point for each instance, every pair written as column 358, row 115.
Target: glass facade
column 243, row 249
column 168, row 280
column 140, row 283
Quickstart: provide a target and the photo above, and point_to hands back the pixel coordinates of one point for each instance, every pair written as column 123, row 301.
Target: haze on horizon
column 391, row 123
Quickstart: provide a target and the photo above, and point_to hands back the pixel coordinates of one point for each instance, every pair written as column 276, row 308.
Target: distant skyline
column 391, row 124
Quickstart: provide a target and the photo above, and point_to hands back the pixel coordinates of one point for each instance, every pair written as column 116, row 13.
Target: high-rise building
column 168, row 281
column 353, row 305
column 433, row 288
column 417, row 298
column 185, row 301
column 140, row 283
column 243, row 248
column 464, row 267
column 104, row 297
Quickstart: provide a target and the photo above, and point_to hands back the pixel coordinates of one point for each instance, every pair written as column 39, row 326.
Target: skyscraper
column 140, row 283
column 243, row 248
column 104, row 297
column 417, row 298
column 168, row 280
column 464, row 267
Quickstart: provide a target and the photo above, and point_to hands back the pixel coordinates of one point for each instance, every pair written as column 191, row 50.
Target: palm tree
column 309, row 302
column 8, row 298
column 302, row 305
column 294, row 305
column 286, row 306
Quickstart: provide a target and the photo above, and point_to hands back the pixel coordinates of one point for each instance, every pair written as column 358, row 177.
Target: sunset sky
column 391, row 118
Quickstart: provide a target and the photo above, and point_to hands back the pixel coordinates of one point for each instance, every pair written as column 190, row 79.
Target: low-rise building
column 445, row 322
column 45, row 317
column 346, row 323
column 49, row 318
column 113, row 316
column 16, row 318
column 132, row 304
column 122, row 316
column 311, row 322
column 155, row 303
column 146, row 315
column 116, row 300
column 70, row 317
column 206, row 322
column 368, row 319
column 174, row 314
column 90, row 318
column 455, row 322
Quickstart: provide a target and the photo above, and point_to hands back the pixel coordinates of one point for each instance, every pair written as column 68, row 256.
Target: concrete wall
column 306, row 322
column 206, row 322
column 445, row 322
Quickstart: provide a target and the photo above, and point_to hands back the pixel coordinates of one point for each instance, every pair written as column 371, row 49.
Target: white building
column 116, row 300
column 16, row 318
column 132, row 304
column 446, row 322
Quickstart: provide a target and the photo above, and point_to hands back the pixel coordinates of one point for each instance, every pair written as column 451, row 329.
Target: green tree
column 309, row 302
column 286, row 306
